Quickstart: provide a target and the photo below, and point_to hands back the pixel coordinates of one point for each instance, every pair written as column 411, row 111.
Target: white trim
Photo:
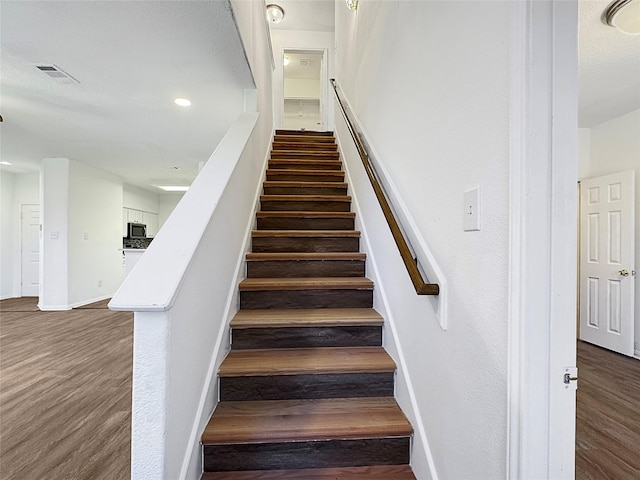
column 636, row 354
column 542, row 289
column 215, row 360
column 75, row 304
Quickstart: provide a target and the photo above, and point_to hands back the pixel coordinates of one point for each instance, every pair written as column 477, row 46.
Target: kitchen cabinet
column 136, row 216
column 151, row 221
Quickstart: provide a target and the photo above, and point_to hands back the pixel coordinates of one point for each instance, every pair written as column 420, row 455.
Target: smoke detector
column 56, row 73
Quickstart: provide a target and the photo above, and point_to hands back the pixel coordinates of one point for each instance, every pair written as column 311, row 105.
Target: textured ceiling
column 310, row 15
column 609, row 67
column 131, row 59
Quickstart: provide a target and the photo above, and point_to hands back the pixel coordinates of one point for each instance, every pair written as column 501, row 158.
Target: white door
column 607, row 261
column 30, row 250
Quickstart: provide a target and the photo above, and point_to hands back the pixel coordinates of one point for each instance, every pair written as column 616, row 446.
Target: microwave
column 136, row 230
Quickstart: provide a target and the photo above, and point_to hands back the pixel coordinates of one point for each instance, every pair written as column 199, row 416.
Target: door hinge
column 570, row 378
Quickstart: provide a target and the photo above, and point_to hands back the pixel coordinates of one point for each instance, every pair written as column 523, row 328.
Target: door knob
column 624, row 272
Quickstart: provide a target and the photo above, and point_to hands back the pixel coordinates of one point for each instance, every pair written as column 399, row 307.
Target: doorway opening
column 304, row 90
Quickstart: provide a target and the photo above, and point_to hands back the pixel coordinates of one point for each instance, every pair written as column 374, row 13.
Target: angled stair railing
column 411, row 263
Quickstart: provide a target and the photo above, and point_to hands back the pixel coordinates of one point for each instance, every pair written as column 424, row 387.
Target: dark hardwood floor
column 65, row 398
column 65, row 392
column 608, row 415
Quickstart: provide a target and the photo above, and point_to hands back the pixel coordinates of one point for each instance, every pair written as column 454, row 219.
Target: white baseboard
column 636, row 354
column 53, row 308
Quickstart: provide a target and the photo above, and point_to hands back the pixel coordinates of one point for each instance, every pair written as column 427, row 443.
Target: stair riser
column 273, row 223
column 314, row 147
column 292, row 139
column 304, row 206
column 294, row 164
column 295, row 387
column 306, row 337
column 315, row 454
column 279, row 175
column 295, row 133
column 302, row 190
column 301, row 245
column 305, row 268
column 252, row 300
column 283, row 155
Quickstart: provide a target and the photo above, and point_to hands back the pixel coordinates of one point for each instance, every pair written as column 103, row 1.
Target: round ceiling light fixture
column 352, row 4
column 183, row 102
column 286, row 61
column 623, row 15
column 275, row 13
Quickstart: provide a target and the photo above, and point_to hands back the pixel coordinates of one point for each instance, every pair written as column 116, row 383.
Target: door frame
column 279, row 85
column 21, row 244
column 542, row 237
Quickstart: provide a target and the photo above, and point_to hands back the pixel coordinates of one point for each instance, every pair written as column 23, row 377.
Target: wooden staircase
column 307, row 389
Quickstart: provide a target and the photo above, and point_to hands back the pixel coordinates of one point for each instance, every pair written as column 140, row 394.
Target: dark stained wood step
column 348, row 327
column 328, row 264
column 284, row 131
column 314, row 146
column 304, row 138
column 321, row 292
column 289, row 175
column 310, row 154
column 376, row 472
column 335, row 317
column 305, row 220
column 302, row 163
column 305, row 188
column 307, row 454
column 305, row 420
column 299, row 373
column 263, row 241
column 305, row 203
column 300, row 361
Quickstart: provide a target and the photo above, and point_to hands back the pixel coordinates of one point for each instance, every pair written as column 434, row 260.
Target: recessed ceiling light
column 183, row 102
column 6, row 163
column 286, row 61
column 173, row 188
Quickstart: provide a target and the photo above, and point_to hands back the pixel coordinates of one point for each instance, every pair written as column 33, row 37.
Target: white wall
column 140, row 199
column 429, row 82
column 82, row 232
column 584, row 152
column 299, row 40
column 301, row 88
column 95, row 234
column 7, row 232
column 166, row 205
column 615, row 147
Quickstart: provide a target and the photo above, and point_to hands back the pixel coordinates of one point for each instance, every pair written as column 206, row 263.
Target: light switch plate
column 471, row 219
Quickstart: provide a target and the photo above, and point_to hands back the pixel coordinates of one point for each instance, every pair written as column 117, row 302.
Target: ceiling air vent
column 305, row 62
column 55, row 72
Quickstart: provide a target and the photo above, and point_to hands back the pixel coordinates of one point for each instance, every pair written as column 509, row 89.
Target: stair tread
column 379, row 472
column 307, row 153
column 306, row 198
column 305, row 420
column 312, row 317
column 267, row 257
column 302, row 214
column 313, row 283
column 305, row 233
column 306, row 361
column 290, row 131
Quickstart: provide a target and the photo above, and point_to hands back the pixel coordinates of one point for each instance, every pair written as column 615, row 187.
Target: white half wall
column 301, row 40
column 429, row 82
column 615, row 147
column 167, row 203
